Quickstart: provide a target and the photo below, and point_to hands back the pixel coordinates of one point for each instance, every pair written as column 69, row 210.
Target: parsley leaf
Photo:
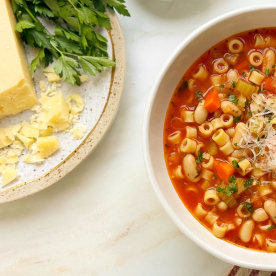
column 199, row 95
column 75, row 45
column 232, row 188
column 271, row 227
column 221, row 190
column 235, row 164
column 248, row 183
column 247, row 103
column 266, row 72
column 233, row 98
column 252, row 68
column 233, row 84
column 199, row 157
column 249, row 207
column 232, row 179
column 222, row 85
column 237, row 119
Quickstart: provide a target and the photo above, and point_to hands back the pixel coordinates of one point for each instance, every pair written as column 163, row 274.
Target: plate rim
column 95, row 135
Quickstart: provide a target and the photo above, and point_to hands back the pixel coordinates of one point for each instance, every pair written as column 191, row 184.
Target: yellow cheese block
column 46, row 146
column 16, row 87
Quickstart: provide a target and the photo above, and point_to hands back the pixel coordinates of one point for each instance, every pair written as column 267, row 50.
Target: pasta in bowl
column 217, row 178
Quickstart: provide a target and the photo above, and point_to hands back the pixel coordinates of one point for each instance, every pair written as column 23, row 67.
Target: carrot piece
column 212, row 101
column 224, row 170
column 270, row 85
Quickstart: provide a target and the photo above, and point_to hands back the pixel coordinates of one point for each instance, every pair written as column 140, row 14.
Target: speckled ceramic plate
column 102, row 95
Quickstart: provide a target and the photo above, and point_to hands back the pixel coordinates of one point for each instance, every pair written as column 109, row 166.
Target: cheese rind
column 16, row 87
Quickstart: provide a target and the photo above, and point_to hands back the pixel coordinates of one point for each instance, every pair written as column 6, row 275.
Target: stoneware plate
column 101, row 94
column 190, row 49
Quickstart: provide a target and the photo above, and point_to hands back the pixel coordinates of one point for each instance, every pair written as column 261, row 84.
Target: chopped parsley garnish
column 233, row 84
column 199, row 95
column 262, row 91
column 248, row 207
column 233, row 98
column 235, row 164
column 221, row 190
column 248, row 183
column 243, row 73
column 222, row 85
column 237, row 119
column 271, row 227
column 247, row 103
column 199, row 157
column 232, row 179
column 233, row 188
column 235, row 144
column 252, row 68
column 266, row 72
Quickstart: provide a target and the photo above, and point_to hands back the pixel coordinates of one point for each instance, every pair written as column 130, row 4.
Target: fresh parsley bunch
column 75, row 43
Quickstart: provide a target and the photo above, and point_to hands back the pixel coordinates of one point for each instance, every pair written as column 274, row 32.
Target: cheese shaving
column 259, row 139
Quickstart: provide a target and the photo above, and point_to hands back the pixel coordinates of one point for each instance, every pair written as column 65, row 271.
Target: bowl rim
column 146, row 122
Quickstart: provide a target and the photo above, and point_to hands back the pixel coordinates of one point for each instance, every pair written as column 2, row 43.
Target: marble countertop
column 104, row 219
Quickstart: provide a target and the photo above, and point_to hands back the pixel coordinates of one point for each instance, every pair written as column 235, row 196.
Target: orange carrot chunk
column 224, row 170
column 212, row 101
column 270, row 85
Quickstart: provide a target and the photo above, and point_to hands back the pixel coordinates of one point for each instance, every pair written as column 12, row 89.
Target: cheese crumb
column 78, row 131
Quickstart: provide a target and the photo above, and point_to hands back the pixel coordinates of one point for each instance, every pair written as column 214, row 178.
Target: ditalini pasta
column 220, row 139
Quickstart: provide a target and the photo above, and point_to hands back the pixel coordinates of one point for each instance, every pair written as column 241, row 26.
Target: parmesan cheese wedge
column 16, row 87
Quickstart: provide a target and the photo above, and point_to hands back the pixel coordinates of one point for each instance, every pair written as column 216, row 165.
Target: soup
column 220, row 139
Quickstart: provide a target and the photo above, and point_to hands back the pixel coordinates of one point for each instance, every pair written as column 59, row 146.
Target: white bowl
column 190, row 49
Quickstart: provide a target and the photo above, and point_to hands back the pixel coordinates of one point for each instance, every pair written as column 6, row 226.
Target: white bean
column 270, row 208
column 260, row 215
column 200, row 114
column 190, row 167
column 246, row 230
column 230, row 108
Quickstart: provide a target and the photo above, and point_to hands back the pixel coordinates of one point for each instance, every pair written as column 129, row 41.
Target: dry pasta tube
column 205, row 185
column 244, row 166
column 256, row 58
column 230, row 131
column 216, row 123
column 217, row 80
column 206, row 129
column 270, row 245
column 264, row 190
column 258, row 238
column 188, row 145
column 199, row 211
column 239, row 130
column 201, row 73
column 227, row 120
column 231, row 58
column 208, row 163
column 187, row 116
column 220, row 66
column 243, row 212
column 268, row 61
column 211, row 198
column 256, row 77
column 219, row 231
column 259, row 41
column 235, row 46
column 233, row 75
column 211, row 217
column 177, row 172
column 227, row 149
column 220, row 137
column 207, row 174
column 175, row 137
column 191, row 132
column 191, row 84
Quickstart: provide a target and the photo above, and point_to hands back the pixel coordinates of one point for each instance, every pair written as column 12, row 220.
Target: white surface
column 104, row 219
column 190, row 49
